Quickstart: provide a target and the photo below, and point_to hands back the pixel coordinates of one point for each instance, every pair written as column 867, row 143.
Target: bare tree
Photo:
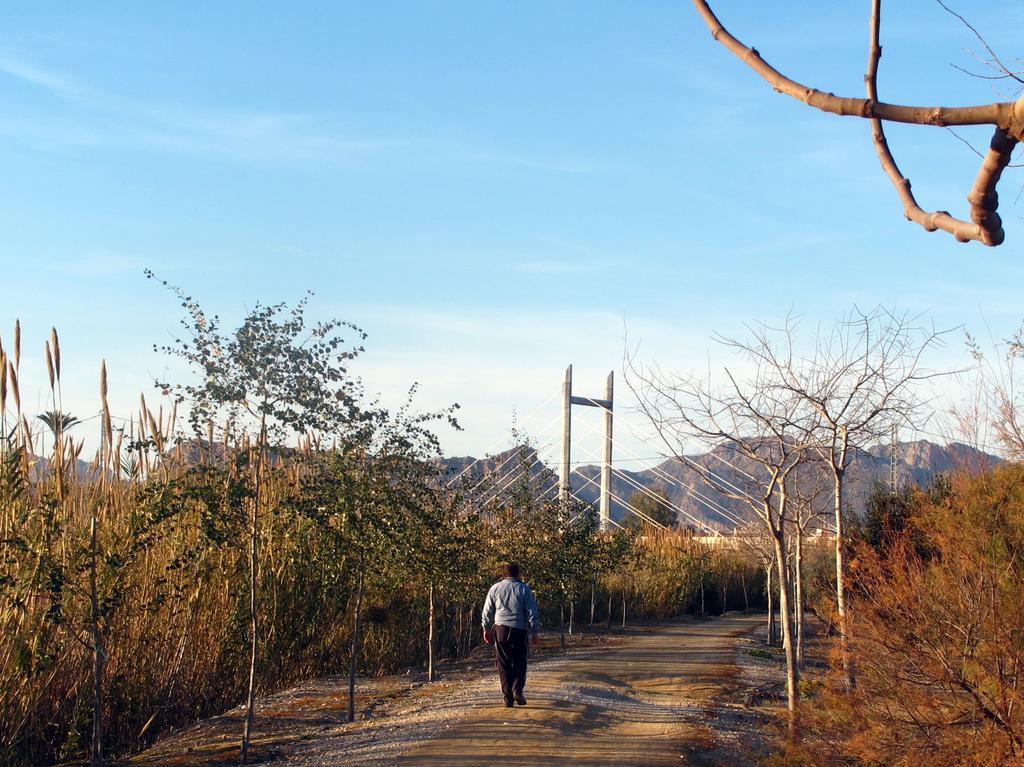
column 997, row 407
column 755, row 540
column 808, row 495
column 859, row 379
column 762, row 423
column 1007, row 117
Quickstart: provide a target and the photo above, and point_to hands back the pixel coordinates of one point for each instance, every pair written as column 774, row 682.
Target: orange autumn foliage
column 938, row 611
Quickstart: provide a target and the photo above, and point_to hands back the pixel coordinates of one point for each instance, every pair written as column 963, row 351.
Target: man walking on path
column 511, row 610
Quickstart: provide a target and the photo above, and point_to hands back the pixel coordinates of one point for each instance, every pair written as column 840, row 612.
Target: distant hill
column 41, row 467
column 503, row 469
column 917, row 463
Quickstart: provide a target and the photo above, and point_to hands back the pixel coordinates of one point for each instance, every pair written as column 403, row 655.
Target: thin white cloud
column 99, row 119
column 55, row 82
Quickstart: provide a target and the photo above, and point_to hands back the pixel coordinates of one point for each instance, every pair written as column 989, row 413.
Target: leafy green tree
column 274, row 378
column 613, row 560
column 885, row 514
column 376, row 491
column 530, row 525
column 653, row 504
column 446, row 553
column 576, row 553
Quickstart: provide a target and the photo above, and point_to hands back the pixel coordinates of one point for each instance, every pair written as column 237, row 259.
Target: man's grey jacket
column 510, row 602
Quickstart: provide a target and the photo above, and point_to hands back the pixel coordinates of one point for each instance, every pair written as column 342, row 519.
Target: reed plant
column 129, row 581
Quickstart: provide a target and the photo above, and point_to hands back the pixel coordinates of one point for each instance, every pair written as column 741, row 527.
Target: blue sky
column 492, row 190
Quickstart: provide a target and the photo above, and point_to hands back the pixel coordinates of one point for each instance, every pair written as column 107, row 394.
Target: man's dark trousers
column 511, row 647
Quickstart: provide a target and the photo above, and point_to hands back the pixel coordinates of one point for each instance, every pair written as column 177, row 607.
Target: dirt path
column 666, row 695
column 643, row 703
column 662, row 696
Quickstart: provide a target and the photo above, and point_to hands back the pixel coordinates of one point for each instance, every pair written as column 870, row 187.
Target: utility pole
column 568, row 400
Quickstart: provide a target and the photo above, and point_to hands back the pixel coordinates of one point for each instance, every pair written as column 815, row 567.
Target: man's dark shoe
column 520, row 698
column 508, row 703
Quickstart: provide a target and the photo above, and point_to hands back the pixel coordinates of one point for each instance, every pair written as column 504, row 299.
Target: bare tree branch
column 1007, row 117
column 1001, row 67
column 987, row 227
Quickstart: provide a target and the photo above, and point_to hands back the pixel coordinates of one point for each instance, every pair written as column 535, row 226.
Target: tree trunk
column 430, row 636
column 472, row 628
column 561, row 624
column 609, row 616
column 354, row 655
column 250, row 702
column 844, row 638
column 789, row 600
column 572, row 614
column 743, row 584
column 97, row 654
column 593, row 603
column 623, row 608
column 771, row 606
column 792, row 673
column 459, row 631
column 798, row 589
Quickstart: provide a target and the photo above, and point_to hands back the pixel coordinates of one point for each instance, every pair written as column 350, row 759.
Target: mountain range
column 700, row 502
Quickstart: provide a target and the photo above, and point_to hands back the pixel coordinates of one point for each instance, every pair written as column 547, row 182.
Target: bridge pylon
column 564, row 475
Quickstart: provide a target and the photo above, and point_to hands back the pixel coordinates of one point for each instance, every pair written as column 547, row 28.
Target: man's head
column 510, row 570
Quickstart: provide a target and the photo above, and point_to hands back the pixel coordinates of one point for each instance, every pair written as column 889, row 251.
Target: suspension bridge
column 567, row 456
column 563, row 452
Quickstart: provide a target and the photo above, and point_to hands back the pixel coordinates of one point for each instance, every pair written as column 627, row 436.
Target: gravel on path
column 658, row 695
